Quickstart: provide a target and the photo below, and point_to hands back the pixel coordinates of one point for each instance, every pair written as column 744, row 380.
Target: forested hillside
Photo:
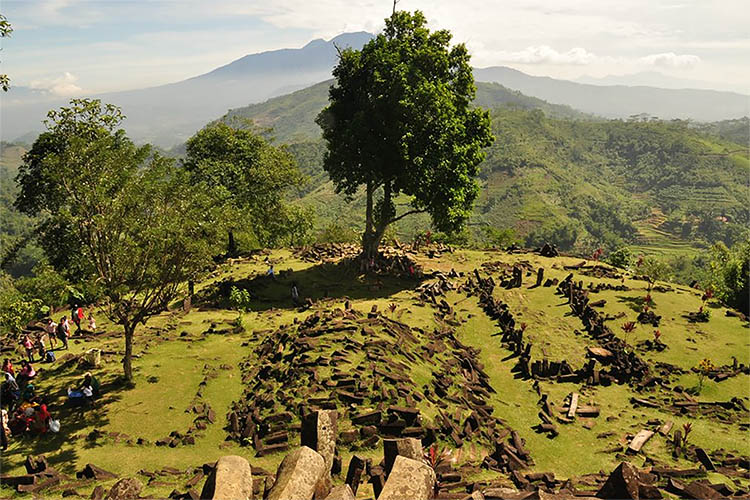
column 554, row 174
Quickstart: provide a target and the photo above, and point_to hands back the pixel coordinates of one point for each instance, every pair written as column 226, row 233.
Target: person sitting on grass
column 26, row 374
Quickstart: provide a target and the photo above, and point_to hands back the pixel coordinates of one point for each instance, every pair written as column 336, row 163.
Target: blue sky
column 75, row 46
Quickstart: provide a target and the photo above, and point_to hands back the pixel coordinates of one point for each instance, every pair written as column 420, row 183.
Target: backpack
column 51, row 357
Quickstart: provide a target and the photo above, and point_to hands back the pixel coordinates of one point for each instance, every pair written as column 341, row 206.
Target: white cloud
column 63, row 86
column 544, row 54
column 671, row 60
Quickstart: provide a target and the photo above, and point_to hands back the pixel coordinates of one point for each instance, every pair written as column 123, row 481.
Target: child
column 29, row 346
column 92, row 323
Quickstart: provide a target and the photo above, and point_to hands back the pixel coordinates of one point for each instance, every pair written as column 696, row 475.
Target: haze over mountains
column 168, row 114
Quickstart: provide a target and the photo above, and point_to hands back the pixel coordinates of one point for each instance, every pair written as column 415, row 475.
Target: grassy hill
column 200, row 367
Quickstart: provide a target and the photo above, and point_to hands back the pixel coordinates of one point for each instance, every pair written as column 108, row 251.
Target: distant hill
column 618, row 101
column 170, row 114
column 167, row 115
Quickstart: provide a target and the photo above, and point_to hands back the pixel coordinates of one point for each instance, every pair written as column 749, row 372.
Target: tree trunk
column 127, row 361
column 369, row 246
column 231, row 245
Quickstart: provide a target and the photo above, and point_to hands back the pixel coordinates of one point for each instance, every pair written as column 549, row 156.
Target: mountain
column 656, row 79
column 169, row 114
column 618, row 101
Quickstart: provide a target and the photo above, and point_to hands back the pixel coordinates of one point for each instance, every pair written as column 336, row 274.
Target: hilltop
column 460, row 354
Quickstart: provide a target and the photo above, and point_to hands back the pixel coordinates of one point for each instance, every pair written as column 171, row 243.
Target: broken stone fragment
column 622, row 483
column 297, row 475
column 405, row 447
column 409, row 479
column 231, row 479
column 125, row 489
column 343, row 492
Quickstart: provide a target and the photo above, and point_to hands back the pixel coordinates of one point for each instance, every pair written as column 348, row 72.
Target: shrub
column 622, row 258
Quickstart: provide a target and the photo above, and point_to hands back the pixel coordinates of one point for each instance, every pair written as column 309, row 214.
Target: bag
column 51, row 357
column 54, row 425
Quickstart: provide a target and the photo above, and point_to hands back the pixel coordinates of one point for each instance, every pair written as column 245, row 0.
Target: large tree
column 5, row 30
column 140, row 225
column 400, row 121
column 253, row 173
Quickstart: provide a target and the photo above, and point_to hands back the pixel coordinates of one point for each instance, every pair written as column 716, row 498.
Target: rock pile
column 372, row 370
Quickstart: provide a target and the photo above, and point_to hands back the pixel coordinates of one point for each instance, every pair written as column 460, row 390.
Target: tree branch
column 410, row 212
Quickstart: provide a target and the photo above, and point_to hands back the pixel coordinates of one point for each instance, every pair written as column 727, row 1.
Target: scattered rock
column 409, row 479
column 297, row 475
column 231, row 479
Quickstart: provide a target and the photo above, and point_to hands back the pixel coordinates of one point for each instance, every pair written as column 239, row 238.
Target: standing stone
column 231, row 479
column 343, row 492
column 354, row 473
column 409, row 479
column 297, row 475
column 35, row 464
column 319, row 431
column 621, row 484
column 405, row 447
column 125, row 489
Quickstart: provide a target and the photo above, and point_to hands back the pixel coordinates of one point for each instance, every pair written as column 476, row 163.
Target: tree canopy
column 400, row 121
column 5, row 30
column 253, row 173
column 139, row 225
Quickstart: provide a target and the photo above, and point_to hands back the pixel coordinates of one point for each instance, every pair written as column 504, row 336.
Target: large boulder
column 404, row 447
column 125, row 489
column 231, row 479
column 343, row 492
column 622, row 483
column 297, row 475
column 319, row 431
column 409, row 479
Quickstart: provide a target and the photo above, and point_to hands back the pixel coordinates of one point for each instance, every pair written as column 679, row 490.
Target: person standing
column 92, row 323
column 81, row 316
column 63, row 331
column 295, row 294
column 51, row 330
column 29, row 346
column 75, row 318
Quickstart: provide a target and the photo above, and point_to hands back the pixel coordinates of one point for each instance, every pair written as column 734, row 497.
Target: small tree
column 254, row 174
column 141, row 226
column 400, row 121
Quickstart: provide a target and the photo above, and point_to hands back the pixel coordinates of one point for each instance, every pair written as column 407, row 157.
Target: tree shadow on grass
column 61, row 448
column 328, row 280
column 634, row 303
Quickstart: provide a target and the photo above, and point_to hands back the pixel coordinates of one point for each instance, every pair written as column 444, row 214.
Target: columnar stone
column 231, row 479
column 405, row 447
column 354, row 473
column 297, row 475
column 319, row 431
column 409, row 479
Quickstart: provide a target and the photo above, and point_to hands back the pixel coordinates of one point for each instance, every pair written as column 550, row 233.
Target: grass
column 178, row 355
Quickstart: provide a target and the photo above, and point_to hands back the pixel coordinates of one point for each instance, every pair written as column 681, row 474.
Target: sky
column 73, row 47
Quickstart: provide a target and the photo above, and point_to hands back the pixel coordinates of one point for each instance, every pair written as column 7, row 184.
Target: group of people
column 54, row 332
column 23, row 410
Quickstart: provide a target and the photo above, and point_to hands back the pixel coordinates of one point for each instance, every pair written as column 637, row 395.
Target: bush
column 561, row 234
column 499, row 238
column 730, row 275
column 240, row 299
column 622, row 258
column 336, row 233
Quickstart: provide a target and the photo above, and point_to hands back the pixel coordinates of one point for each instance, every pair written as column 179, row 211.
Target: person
column 81, row 316
column 26, row 374
column 51, row 330
column 92, row 323
column 29, row 346
column 87, row 388
column 41, row 348
column 271, row 272
column 10, row 392
column 8, row 367
column 3, row 429
column 76, row 318
column 295, row 294
column 63, row 331
column 41, row 419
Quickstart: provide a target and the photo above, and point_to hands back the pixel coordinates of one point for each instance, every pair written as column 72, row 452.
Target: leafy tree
column 730, row 274
column 400, row 121
column 141, row 225
column 622, row 257
column 5, row 30
column 254, row 174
